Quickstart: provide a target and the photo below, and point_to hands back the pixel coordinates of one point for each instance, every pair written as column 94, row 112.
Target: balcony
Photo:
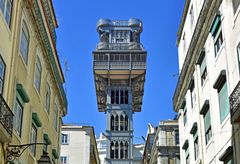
column 6, row 121
column 234, row 101
column 120, row 46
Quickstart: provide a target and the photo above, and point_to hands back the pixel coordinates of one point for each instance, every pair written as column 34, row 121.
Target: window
column 48, row 99
column 238, row 55
column 184, row 113
column 192, row 92
column 126, row 122
column 65, row 139
column 112, row 122
column 191, row 15
column 38, row 73
column 126, row 150
column 112, row 96
column 194, row 132
column 235, row 5
column 122, row 122
column 24, row 43
column 55, row 119
column 223, row 102
column 121, row 150
column 2, row 74
column 18, row 116
column 112, row 148
column 184, row 42
column 33, row 139
column 186, row 148
column 6, row 8
column 176, row 137
column 203, row 68
column 119, row 96
column 117, row 123
column 116, row 150
column 207, row 126
column 63, row 159
column 216, row 31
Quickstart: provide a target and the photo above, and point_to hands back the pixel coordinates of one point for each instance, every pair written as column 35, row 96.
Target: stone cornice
column 201, row 32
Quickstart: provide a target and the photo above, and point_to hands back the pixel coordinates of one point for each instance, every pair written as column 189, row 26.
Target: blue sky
column 77, row 38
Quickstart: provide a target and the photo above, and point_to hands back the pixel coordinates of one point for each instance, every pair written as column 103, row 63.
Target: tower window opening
column 112, row 97
column 116, row 150
column 121, row 97
column 126, row 150
column 117, row 123
column 126, row 96
column 117, row 96
column 112, row 150
column 121, row 150
column 122, row 123
column 126, row 122
column 112, row 122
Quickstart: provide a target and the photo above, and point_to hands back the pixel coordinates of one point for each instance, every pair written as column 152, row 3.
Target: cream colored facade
column 208, row 46
column 21, row 84
column 79, row 145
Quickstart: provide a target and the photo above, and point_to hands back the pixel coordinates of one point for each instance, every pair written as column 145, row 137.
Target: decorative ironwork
column 15, row 151
column 120, row 46
column 234, row 101
column 6, row 116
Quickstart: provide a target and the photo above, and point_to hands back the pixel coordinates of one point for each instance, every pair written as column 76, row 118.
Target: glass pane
column 223, row 102
column 207, row 121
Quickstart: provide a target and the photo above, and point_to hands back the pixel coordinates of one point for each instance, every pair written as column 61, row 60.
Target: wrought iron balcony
column 234, row 101
column 103, row 65
column 6, row 120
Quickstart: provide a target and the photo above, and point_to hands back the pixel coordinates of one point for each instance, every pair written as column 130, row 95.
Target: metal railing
column 121, row 46
column 234, row 101
column 6, row 116
column 119, row 65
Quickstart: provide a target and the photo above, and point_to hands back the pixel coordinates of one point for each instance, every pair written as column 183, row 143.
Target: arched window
column 126, row 150
column 121, row 123
column 121, row 150
column 126, row 96
column 121, row 96
column 112, row 150
column 117, row 96
column 116, row 150
column 116, row 123
column 112, row 122
column 126, row 122
column 112, row 97
column 24, row 42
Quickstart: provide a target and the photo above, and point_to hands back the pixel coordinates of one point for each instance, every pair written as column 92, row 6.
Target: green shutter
column 207, row 121
column 36, row 119
column 47, row 139
column 22, row 93
column 215, row 25
column 223, row 102
column 55, row 153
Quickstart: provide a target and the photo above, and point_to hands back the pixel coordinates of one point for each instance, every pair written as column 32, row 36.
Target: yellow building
column 31, row 80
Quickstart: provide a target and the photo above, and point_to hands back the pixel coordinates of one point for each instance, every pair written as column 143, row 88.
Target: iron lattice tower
column 119, row 66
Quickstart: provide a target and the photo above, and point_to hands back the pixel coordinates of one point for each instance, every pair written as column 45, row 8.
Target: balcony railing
column 6, row 116
column 234, row 101
column 103, row 65
column 120, row 46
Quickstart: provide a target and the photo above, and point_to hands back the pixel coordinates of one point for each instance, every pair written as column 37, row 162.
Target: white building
column 102, row 150
column 79, row 145
column 208, row 46
column 162, row 144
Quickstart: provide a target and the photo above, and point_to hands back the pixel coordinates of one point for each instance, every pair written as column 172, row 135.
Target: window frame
column 4, row 10
column 65, row 138
column 18, row 122
column 24, row 32
column 2, row 76
column 65, row 158
column 38, row 74
column 55, row 117
column 48, row 98
column 33, row 147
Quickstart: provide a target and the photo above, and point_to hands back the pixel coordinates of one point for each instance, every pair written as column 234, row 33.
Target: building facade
column 102, row 150
column 208, row 47
column 31, row 83
column 79, row 145
column 162, row 144
column 119, row 71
